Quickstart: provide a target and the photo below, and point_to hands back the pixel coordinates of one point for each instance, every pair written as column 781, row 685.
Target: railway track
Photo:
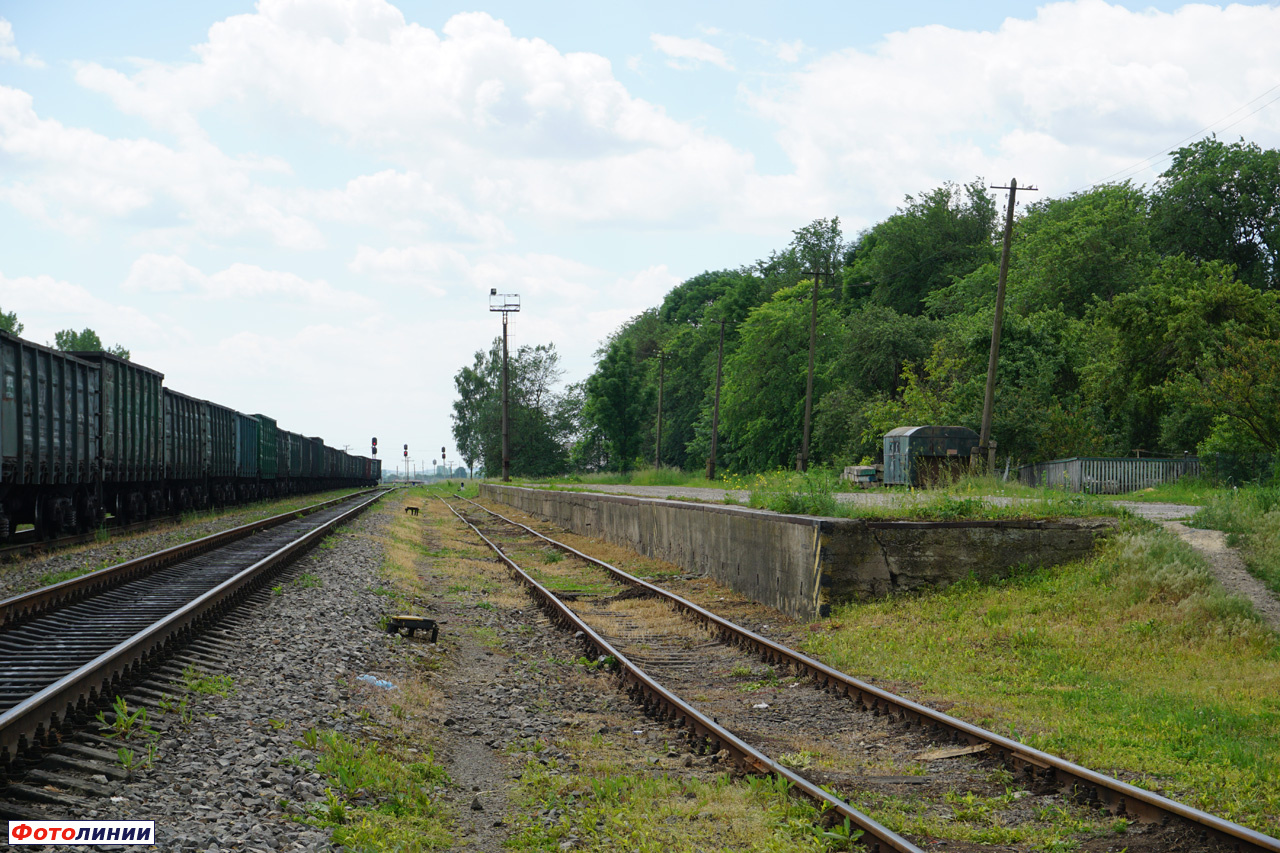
column 67, row 650
column 665, row 646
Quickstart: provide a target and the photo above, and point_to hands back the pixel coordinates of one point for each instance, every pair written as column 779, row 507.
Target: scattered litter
column 952, row 752
column 761, row 705
column 377, row 682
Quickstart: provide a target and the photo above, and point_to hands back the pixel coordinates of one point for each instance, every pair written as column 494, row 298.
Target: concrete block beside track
column 802, row 565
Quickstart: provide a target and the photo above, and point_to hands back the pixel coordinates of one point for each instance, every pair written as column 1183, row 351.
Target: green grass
column 1134, row 661
column 616, row 809
column 375, row 800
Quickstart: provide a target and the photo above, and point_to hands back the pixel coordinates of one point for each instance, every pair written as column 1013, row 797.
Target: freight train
column 85, row 434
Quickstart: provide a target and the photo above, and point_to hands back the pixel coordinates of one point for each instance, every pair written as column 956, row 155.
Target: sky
column 299, row 207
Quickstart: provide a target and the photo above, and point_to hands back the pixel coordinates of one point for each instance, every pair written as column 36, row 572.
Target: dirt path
column 1229, row 567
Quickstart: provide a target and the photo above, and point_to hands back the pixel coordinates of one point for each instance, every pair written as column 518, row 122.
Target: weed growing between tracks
column 1132, row 663
column 610, row 806
column 378, row 799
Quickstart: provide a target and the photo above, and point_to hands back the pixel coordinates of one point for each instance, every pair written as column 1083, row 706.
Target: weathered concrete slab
column 802, row 565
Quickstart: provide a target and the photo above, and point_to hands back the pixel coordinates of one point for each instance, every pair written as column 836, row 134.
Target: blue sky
column 298, row 206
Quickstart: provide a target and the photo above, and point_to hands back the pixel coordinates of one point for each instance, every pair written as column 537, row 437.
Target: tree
column 540, row 435
column 615, row 404
column 69, row 340
column 1094, row 244
column 475, row 390
column 1220, row 201
column 9, row 322
column 925, row 246
column 762, row 404
column 1241, row 384
column 1144, row 341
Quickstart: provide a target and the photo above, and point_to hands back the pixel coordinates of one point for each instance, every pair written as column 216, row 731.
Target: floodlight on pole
column 504, row 303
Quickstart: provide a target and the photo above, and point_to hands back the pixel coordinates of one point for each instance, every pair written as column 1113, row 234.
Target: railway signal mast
column 504, row 303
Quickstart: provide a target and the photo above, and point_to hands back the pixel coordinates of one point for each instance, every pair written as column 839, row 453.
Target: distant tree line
column 1136, row 320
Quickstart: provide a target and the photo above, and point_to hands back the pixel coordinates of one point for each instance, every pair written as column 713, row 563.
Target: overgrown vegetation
column 377, row 800
column 1251, row 519
column 1062, row 659
column 1138, row 319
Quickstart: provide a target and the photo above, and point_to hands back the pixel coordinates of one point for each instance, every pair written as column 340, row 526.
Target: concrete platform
column 802, row 565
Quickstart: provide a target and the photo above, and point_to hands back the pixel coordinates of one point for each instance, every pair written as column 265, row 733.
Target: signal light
column 375, row 441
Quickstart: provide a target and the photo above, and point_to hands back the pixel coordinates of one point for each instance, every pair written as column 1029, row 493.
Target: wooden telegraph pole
column 715, row 411
column 657, row 451
column 988, row 401
column 802, row 463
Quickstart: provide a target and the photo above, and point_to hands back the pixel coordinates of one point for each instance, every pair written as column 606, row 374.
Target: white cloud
column 685, row 53
column 46, row 305
column 405, row 201
column 789, row 51
column 1080, row 91
column 9, row 49
column 170, row 274
column 75, row 178
column 488, row 125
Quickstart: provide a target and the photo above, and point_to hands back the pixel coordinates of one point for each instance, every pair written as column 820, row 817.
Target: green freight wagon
column 222, row 454
column 132, row 435
column 247, row 457
column 48, row 439
column 187, row 451
column 268, row 451
column 294, row 445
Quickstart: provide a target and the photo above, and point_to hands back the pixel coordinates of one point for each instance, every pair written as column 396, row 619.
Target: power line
column 1130, row 171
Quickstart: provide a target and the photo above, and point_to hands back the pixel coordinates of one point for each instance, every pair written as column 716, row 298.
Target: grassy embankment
column 1134, row 662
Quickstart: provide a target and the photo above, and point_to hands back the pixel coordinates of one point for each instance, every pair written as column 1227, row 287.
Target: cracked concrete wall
column 803, row 565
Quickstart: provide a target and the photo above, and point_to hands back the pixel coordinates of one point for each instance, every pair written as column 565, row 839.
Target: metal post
column 988, row 400
column 802, row 464
column 506, row 423
column 657, row 452
column 715, row 411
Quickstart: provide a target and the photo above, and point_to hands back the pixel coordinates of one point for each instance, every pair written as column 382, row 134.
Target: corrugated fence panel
column 1106, row 476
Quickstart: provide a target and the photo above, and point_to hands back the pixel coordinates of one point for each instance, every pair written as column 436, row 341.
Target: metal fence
column 1101, row 476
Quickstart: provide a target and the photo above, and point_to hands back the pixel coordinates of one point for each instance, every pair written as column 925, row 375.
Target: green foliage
column 1219, row 201
column 543, row 422
column 615, row 403
column 762, row 404
column 9, row 322
column 943, row 235
column 69, row 340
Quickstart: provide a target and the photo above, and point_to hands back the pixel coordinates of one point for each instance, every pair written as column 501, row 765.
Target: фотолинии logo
column 88, row 832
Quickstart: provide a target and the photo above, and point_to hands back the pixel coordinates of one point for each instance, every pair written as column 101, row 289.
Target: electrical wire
column 1164, row 155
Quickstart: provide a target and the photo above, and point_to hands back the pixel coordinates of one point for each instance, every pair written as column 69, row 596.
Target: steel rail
column 667, row 706
column 1095, row 788
column 25, row 605
column 34, row 723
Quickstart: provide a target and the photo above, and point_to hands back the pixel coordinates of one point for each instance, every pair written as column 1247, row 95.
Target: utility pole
column 988, row 401
column 802, row 462
column 715, row 411
column 506, row 303
column 657, row 453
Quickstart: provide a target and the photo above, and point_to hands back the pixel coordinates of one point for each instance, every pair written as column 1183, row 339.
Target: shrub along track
column 67, row 648
column 665, row 645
